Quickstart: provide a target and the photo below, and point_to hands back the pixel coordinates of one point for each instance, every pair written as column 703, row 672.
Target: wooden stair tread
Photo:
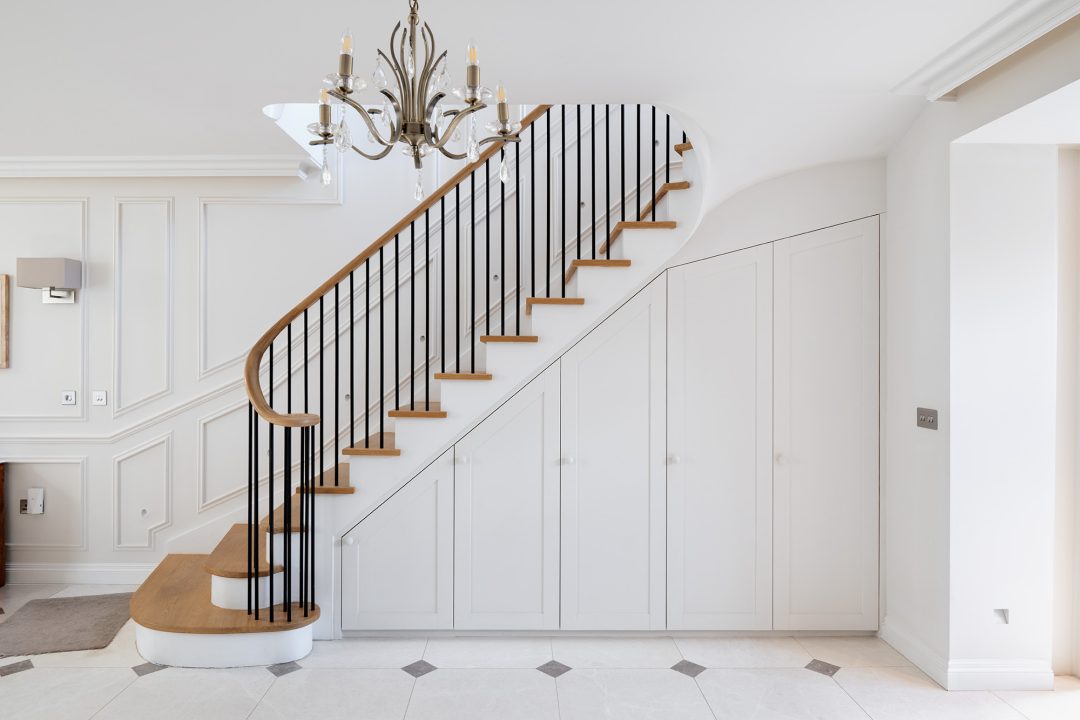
column 529, row 302
column 176, row 598
column 373, row 448
column 683, row 147
column 594, row 263
column 324, row 482
column 636, row 225
column 463, row 376
column 419, row 410
column 230, row 557
column 509, row 338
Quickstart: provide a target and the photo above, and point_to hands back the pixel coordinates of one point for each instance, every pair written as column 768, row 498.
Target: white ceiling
column 774, row 85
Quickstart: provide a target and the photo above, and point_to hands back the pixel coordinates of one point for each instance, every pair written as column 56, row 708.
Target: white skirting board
column 78, row 573
column 915, row 650
column 223, row 650
column 1005, row 674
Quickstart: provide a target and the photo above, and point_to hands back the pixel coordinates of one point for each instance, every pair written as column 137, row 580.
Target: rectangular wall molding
column 143, row 497
column 82, row 512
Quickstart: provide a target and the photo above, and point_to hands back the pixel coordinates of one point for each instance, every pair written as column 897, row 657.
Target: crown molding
column 109, row 166
column 999, row 37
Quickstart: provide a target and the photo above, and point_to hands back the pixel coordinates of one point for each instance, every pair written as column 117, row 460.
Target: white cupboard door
column 397, row 564
column 720, row 443
column 506, row 517
column 826, row 429
column 613, row 484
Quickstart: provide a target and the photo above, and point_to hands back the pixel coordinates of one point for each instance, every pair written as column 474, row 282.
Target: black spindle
column 337, row 379
column 502, row 243
column 652, row 174
column 352, row 361
column 487, row 247
column 251, row 544
column 607, row 181
column 270, row 428
column 382, row 345
column 562, row 206
column 412, row 316
column 517, row 238
column 427, row 311
column 577, row 205
column 397, row 327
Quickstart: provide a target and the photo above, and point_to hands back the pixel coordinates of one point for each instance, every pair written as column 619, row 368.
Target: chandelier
column 413, row 88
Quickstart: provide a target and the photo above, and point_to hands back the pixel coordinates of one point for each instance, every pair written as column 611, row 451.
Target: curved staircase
column 252, row 600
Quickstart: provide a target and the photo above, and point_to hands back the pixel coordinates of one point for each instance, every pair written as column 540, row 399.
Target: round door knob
column 350, row 541
column 781, row 459
column 568, row 460
column 674, row 459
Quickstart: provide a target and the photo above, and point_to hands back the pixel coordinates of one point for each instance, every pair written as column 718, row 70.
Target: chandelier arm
column 452, row 155
column 431, row 129
column 406, row 87
column 500, row 138
column 396, row 126
column 449, row 132
column 425, row 74
column 366, row 117
column 377, row 156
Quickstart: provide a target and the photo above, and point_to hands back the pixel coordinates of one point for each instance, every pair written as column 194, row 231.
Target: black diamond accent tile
column 283, row 668
column 688, row 668
column 419, row 668
column 16, row 667
column 554, row 668
column 820, row 666
column 147, row 668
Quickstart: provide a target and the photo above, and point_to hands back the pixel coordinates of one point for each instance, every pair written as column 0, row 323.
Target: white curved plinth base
column 232, row 593
column 222, row 650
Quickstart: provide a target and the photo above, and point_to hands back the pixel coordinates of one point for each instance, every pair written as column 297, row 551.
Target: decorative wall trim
column 84, row 245
column 915, row 650
column 112, row 166
column 120, row 404
column 204, row 501
column 1014, row 674
column 20, row 573
column 84, row 511
column 166, row 481
column 999, row 37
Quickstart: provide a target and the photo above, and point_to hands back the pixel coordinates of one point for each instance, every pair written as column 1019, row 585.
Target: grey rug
column 88, row 622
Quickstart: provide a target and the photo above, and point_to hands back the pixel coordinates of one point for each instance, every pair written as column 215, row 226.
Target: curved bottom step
column 222, row 650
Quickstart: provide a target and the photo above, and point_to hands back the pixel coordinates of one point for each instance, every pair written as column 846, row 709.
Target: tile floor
column 560, row 678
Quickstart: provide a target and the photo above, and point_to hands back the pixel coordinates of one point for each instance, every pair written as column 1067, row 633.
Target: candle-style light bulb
column 324, row 112
column 324, row 97
column 472, row 72
column 500, row 93
column 472, row 54
column 346, row 43
column 502, row 108
column 345, row 63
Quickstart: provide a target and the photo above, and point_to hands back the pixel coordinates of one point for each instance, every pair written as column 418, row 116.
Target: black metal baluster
column 287, row 506
column 367, row 353
column 270, row 538
column 288, row 368
column 472, row 280
column 337, row 379
column 667, row 148
column 607, row 181
column 532, row 205
column 547, row 221
column 412, row 316
column 622, row 162
column 352, row 361
column 301, row 488
column 322, row 392
column 255, row 530
column 517, row 238
column 382, row 346
column 250, row 527
column 562, row 206
column 457, row 278
column 577, row 205
column 652, row 211
column 397, row 329
column 487, row 247
column 502, row 244
column 427, row 311
column 442, row 283
column 637, row 166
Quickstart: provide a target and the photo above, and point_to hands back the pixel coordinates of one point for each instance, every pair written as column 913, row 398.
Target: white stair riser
column 224, row 649
column 232, row 593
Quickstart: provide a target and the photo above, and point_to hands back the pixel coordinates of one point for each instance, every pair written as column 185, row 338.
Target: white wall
column 916, row 343
column 1003, row 301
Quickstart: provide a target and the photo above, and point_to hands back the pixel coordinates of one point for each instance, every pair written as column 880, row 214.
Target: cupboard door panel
column 826, row 429
column 507, row 514
column 397, row 573
column 613, row 475
column 720, row 443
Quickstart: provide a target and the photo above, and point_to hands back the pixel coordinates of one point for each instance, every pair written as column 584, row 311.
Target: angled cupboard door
column 720, row 443
column 506, row 513
column 613, row 485
column 826, row 429
column 397, row 564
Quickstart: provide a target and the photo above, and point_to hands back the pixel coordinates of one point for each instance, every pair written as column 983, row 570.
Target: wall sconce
column 58, row 278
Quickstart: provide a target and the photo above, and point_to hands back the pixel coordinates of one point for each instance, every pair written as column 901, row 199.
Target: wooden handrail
column 254, row 359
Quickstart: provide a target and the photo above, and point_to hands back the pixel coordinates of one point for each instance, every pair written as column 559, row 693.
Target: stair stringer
column 513, row 365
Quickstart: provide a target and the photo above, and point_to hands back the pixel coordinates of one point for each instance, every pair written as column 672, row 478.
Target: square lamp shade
column 58, row 278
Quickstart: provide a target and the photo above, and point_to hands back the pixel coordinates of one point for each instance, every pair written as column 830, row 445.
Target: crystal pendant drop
column 325, row 177
column 379, row 75
column 410, row 63
column 504, row 172
column 343, row 136
column 418, row 191
column 473, row 153
column 385, row 115
column 442, row 80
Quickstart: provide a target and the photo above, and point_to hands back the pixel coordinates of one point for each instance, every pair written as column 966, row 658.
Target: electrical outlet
column 22, row 506
column 67, row 397
column 100, row 398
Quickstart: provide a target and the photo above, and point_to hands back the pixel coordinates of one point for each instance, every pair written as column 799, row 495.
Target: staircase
column 461, row 303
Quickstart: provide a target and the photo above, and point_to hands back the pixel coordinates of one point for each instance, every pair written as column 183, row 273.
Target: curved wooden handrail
column 252, row 381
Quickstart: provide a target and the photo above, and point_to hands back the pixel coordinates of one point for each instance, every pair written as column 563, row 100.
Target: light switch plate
column 67, row 397
column 100, row 398
column 926, row 418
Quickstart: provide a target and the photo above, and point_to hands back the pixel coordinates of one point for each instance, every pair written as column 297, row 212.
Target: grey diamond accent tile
column 688, row 668
column 820, row 666
column 419, row 668
column 147, row 668
column 16, row 667
column 283, row 668
column 554, row 668
column 1, row 611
